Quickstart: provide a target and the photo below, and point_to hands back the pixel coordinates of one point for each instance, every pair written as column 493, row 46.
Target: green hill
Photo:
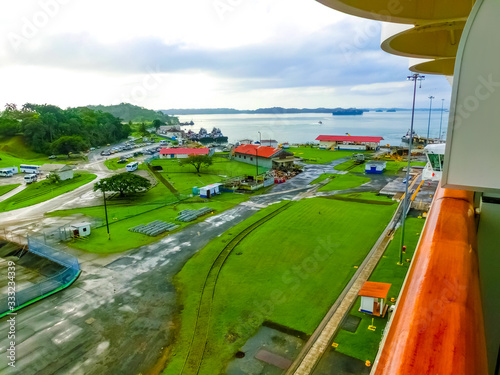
column 129, row 112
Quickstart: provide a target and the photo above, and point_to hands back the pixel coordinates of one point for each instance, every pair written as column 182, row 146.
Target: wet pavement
column 119, row 316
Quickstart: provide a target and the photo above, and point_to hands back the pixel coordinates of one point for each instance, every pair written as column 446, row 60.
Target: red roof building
column 268, row 157
column 348, row 142
column 170, row 153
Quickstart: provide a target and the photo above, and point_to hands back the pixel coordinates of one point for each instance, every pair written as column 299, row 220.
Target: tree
column 68, row 144
column 157, row 123
column 53, row 178
column 123, row 183
column 197, row 161
column 142, row 129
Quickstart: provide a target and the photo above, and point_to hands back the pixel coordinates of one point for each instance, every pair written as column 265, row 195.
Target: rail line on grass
column 198, row 344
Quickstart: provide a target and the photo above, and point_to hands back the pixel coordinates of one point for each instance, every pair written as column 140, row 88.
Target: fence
column 51, row 285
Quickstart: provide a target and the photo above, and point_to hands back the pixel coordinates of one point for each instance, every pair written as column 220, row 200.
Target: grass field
column 41, row 191
column 278, row 273
column 344, row 181
column 124, row 216
column 114, row 165
column 392, row 168
column 365, row 196
column 14, row 152
column 364, row 344
column 314, row 155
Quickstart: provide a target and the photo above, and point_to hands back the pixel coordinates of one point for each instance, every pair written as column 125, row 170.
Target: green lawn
column 123, row 217
column 14, row 152
column 365, row 197
column 41, row 191
column 278, row 273
column 364, row 344
column 314, row 155
column 392, row 168
column 114, row 165
column 4, row 189
column 344, row 181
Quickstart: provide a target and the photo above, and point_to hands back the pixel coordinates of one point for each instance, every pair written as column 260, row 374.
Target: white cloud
column 227, row 53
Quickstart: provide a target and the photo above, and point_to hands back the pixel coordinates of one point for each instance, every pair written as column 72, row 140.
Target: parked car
column 52, row 157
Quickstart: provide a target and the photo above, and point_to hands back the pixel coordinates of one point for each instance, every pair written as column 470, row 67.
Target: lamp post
column 257, row 157
column 429, row 124
column 414, row 77
column 106, row 210
column 441, row 122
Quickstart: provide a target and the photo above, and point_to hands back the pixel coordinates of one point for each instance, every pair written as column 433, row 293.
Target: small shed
column 210, row 190
column 80, row 229
column 64, row 171
column 375, row 167
column 373, row 296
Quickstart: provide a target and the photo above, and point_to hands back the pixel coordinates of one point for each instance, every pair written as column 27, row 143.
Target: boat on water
column 320, row 122
column 418, row 140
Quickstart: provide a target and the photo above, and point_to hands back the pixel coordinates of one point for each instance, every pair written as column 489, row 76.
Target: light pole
column 415, row 77
column 106, row 210
column 257, row 157
column 441, row 122
column 429, row 124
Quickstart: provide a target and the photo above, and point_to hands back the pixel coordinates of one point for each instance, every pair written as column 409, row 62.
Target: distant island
column 129, row 112
column 347, row 112
column 273, row 110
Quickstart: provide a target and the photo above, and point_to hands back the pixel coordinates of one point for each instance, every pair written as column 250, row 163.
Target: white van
column 132, row 166
column 6, row 173
column 163, row 142
column 30, row 178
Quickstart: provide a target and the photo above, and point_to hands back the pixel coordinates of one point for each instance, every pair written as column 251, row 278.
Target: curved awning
column 437, row 40
column 439, row 66
column 415, row 12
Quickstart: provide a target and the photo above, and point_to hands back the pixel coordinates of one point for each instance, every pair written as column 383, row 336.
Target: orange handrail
column 437, row 327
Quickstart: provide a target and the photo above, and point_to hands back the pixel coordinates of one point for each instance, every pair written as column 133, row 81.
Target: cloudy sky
column 242, row 54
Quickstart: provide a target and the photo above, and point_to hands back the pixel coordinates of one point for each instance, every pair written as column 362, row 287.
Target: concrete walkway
column 13, row 192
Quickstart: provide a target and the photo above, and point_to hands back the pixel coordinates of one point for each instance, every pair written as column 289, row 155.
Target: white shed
column 375, row 166
column 80, row 229
column 64, row 171
column 210, row 190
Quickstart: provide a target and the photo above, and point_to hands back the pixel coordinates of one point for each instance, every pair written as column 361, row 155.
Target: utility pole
column 441, row 122
column 257, row 157
column 106, row 211
column 415, row 77
column 429, row 124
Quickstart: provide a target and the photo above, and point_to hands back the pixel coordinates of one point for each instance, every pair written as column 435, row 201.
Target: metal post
column 441, row 122
column 415, row 77
column 106, row 213
column 429, row 124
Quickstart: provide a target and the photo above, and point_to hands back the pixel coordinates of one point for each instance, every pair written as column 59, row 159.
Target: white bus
column 30, row 178
column 132, row 166
column 25, row 168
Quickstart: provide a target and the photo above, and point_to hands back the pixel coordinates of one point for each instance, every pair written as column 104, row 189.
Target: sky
column 243, row 54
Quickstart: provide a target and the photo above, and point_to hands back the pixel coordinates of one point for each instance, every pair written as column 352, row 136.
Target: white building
column 64, row 171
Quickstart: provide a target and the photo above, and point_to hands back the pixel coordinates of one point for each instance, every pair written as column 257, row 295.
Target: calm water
column 304, row 127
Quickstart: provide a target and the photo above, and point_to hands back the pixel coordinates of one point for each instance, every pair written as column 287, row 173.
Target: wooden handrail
column 437, row 327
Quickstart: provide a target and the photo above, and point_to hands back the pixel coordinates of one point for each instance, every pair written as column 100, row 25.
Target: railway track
column 194, row 358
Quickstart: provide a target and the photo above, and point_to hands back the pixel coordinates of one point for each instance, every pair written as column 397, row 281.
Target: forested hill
column 49, row 129
column 129, row 112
